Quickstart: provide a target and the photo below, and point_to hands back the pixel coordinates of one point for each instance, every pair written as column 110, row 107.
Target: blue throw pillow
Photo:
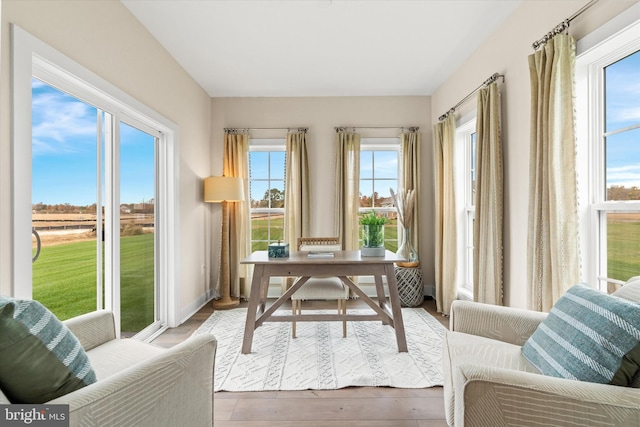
column 588, row 336
column 40, row 359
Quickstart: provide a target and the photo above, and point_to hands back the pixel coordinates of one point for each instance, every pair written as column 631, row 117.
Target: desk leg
column 380, row 293
column 394, row 298
column 264, row 290
column 254, row 299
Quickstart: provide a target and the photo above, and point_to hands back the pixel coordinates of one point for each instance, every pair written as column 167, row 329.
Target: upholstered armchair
column 138, row 383
column 488, row 381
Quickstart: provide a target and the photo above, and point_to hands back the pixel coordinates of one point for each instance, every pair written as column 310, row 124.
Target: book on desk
column 320, row 254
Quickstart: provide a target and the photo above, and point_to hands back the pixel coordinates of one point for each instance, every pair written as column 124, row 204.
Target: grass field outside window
column 64, row 280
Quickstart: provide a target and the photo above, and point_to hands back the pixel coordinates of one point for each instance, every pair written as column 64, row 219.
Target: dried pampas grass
column 404, row 202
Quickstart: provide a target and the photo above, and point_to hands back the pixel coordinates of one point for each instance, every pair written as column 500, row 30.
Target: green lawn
column 64, row 280
column 623, row 249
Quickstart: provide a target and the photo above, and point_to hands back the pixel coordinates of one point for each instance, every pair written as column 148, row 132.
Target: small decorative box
column 278, row 250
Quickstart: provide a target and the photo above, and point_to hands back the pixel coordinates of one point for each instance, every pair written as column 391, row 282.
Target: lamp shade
column 223, row 189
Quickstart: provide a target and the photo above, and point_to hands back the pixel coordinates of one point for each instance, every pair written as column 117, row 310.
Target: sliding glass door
column 138, row 294
column 94, row 194
column 67, row 264
column 93, row 210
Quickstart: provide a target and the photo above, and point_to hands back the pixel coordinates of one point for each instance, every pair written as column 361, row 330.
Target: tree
column 370, row 202
column 619, row 192
column 272, row 198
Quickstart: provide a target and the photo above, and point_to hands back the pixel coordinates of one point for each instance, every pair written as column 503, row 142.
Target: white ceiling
column 275, row 48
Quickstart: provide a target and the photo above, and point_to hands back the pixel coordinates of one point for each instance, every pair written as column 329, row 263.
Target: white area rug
column 320, row 358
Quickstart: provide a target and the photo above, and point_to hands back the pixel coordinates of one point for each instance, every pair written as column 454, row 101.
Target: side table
column 410, row 287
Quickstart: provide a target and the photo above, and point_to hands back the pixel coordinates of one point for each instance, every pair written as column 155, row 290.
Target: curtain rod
column 402, row 128
column 563, row 26
column 486, row 83
column 245, row 130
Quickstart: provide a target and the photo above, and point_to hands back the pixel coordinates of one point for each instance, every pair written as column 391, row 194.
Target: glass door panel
column 65, row 150
column 138, row 295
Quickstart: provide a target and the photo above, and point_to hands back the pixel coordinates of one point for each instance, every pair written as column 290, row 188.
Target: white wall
column 321, row 115
column 105, row 38
column 506, row 52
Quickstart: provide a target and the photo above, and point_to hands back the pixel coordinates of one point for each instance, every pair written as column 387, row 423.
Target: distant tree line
column 272, row 198
column 147, row 206
column 619, row 192
column 63, row 208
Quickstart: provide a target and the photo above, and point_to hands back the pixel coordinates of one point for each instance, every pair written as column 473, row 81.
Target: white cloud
column 61, row 123
column 626, row 176
column 628, row 114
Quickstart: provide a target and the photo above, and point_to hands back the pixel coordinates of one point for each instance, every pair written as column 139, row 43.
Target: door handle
column 38, row 244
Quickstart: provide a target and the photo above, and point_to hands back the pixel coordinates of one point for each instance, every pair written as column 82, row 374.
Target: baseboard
column 195, row 306
column 430, row 291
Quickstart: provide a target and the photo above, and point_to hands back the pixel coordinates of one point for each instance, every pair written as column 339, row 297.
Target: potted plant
column 372, row 233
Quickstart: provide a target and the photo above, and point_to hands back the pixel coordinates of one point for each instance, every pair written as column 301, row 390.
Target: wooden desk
column 342, row 265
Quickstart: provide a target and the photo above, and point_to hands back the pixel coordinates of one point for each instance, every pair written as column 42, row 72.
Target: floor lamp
column 224, row 189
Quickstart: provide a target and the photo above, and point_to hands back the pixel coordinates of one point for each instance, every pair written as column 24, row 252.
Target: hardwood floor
column 348, row 407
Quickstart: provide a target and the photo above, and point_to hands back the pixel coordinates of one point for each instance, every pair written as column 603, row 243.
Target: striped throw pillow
column 588, row 336
column 40, row 359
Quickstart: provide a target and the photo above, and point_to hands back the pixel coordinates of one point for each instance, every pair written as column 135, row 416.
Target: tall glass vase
column 373, row 235
column 406, row 249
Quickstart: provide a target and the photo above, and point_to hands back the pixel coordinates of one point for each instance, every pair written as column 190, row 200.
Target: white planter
column 366, row 251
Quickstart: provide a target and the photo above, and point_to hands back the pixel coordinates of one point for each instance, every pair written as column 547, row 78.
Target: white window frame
column 379, row 144
column 382, row 144
column 609, row 43
column 266, row 145
column 465, row 201
column 32, row 57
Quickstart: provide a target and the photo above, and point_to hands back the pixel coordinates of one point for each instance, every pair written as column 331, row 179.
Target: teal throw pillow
column 40, row 359
column 588, row 336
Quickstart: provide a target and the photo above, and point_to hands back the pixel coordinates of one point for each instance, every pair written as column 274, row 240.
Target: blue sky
column 65, row 152
column 623, row 110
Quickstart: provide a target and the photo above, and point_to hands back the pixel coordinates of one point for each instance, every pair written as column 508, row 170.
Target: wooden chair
column 320, row 288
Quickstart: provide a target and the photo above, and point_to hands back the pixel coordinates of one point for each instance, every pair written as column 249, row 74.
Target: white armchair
column 487, row 381
column 140, row 384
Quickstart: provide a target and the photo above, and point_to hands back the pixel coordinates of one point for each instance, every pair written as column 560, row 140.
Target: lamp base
column 225, row 303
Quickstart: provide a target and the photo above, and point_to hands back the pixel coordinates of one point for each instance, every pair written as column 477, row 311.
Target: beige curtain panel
column 297, row 192
column 446, row 247
column 488, row 225
column 553, row 255
column 235, row 163
column 297, row 188
column 410, row 178
column 347, row 188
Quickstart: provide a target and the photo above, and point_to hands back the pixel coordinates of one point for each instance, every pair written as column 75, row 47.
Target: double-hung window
column 379, row 172
column 266, row 186
column 465, row 161
column 608, row 103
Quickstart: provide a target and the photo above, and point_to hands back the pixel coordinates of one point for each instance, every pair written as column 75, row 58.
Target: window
column 465, row 162
column 379, row 172
column 608, row 78
column 266, row 186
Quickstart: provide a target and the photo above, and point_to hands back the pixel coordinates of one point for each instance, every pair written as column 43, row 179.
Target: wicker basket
column 410, row 287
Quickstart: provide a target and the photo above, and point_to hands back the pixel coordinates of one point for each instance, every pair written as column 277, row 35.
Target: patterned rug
column 320, row 358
